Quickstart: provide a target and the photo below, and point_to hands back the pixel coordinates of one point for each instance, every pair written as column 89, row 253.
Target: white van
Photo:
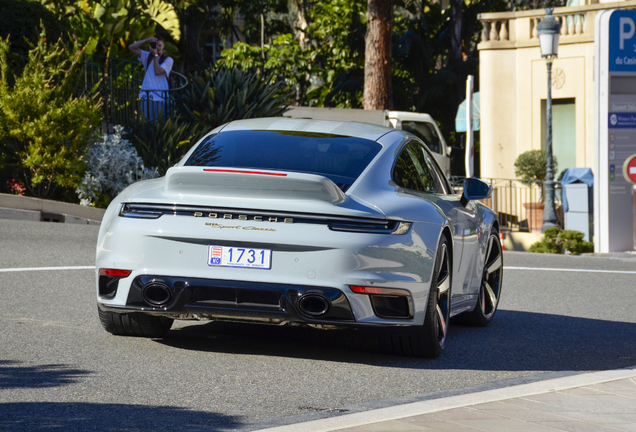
column 421, row 125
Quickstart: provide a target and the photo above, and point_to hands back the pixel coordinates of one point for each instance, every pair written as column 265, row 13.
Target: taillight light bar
column 379, row 291
column 246, row 172
column 114, row 272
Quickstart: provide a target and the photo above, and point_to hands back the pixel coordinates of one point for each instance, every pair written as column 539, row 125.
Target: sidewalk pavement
column 36, row 209
column 597, row 401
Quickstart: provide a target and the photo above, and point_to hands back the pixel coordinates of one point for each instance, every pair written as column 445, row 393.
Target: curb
column 460, row 401
column 36, row 209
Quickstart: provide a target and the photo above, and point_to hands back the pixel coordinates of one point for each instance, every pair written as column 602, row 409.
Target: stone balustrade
column 503, row 30
column 495, row 30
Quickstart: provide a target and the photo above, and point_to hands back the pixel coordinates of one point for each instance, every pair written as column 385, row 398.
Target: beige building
column 513, row 87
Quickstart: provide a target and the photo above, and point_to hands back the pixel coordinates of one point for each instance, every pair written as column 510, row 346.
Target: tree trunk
column 300, row 26
column 262, row 36
column 457, row 16
column 190, row 48
column 377, row 55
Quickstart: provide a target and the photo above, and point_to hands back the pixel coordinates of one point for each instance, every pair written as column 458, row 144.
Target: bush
column 549, row 244
column 556, row 241
column 163, row 143
column 112, row 165
column 531, row 165
column 44, row 126
column 217, row 96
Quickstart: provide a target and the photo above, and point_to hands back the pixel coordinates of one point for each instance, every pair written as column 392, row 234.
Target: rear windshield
column 339, row 158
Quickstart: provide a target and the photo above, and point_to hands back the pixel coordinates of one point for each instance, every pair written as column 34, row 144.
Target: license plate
column 225, row 256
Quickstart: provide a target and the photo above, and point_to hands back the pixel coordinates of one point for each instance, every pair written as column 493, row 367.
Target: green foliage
column 531, row 165
column 556, row 241
column 273, row 12
column 44, row 126
column 163, row 143
column 573, row 242
column 107, row 27
column 219, row 95
column 322, row 64
column 20, row 22
column 549, row 244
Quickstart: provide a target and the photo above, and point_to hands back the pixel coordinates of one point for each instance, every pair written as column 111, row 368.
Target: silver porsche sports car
column 302, row 222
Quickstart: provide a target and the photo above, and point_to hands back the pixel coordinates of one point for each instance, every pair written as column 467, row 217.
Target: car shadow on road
column 60, row 416
column 515, row 341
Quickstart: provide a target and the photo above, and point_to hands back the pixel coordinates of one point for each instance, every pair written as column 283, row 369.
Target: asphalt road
column 59, row 370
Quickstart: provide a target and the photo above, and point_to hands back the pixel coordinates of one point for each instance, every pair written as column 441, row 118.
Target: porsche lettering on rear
column 244, row 217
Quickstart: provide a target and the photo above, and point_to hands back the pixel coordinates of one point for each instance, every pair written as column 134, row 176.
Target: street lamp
column 549, row 29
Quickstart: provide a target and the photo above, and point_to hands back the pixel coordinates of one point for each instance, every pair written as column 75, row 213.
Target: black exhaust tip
column 156, row 293
column 313, row 305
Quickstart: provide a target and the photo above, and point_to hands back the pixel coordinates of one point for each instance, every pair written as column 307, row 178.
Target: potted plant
column 530, row 167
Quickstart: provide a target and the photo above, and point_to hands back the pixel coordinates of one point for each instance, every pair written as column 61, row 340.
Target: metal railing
column 118, row 83
column 518, row 203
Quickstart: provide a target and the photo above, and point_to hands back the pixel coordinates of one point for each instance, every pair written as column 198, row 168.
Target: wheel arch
column 446, row 232
column 495, row 226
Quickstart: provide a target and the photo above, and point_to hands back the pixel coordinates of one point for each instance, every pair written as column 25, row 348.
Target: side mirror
column 475, row 189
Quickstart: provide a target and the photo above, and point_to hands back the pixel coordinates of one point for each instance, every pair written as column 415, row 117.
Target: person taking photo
column 157, row 66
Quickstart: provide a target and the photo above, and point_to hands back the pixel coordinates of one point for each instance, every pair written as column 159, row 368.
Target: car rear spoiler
column 237, row 182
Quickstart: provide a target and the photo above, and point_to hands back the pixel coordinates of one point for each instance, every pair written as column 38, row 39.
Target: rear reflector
column 114, row 272
column 379, row 291
column 246, row 172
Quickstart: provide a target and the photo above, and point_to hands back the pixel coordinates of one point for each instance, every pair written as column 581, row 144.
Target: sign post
column 615, row 129
column 470, row 146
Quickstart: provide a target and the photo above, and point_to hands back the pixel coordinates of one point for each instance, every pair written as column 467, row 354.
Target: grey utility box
column 577, row 216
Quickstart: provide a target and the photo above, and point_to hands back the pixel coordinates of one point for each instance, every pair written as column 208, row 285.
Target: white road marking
column 6, row 270
column 570, row 270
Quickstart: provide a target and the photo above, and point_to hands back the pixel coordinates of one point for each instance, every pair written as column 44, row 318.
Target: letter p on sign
column 627, row 29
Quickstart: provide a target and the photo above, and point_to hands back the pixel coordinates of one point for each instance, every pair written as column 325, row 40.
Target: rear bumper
column 305, row 257
column 233, row 300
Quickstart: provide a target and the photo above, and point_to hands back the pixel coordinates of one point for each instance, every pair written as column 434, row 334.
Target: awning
column 460, row 119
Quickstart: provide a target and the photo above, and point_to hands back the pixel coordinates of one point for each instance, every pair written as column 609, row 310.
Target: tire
column 490, row 288
column 429, row 339
column 134, row 324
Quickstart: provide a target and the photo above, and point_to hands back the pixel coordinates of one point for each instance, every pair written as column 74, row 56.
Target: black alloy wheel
column 435, row 328
column 490, row 289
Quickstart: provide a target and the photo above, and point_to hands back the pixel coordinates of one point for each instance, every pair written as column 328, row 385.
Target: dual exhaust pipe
column 158, row 294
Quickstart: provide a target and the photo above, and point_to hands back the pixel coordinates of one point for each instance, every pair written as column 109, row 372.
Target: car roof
column 349, row 129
